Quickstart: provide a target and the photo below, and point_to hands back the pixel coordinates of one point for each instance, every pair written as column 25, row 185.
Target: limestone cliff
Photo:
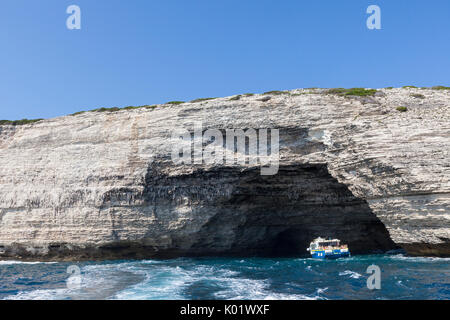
column 103, row 184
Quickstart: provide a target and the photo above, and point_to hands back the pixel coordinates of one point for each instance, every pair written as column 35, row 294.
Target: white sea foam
column 241, row 289
column 351, row 274
column 97, row 282
column 320, row 290
column 418, row 259
column 56, row 294
column 171, row 282
column 11, row 262
column 161, row 283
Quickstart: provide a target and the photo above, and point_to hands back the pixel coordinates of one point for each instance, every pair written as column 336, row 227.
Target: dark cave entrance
column 286, row 243
column 280, row 215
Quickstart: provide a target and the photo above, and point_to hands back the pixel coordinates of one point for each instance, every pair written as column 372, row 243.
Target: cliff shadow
column 279, row 215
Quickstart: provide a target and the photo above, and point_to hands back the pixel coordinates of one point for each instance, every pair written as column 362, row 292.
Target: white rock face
column 103, row 185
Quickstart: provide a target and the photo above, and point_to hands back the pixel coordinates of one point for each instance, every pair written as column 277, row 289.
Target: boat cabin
column 324, row 243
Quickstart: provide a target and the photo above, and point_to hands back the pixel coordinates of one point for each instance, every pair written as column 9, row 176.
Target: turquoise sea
column 228, row 278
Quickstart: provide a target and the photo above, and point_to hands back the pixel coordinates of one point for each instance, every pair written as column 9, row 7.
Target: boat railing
column 332, row 247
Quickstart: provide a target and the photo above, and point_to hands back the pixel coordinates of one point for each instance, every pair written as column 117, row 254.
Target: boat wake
column 221, row 278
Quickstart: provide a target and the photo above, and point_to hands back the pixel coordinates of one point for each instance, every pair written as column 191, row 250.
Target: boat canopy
column 319, row 242
column 329, row 243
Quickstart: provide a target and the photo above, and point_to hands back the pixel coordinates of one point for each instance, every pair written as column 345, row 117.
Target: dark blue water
column 221, row 278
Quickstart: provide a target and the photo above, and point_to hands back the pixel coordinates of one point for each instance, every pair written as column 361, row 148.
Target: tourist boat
column 328, row 249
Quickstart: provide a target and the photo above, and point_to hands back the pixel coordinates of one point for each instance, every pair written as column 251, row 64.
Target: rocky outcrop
column 103, row 185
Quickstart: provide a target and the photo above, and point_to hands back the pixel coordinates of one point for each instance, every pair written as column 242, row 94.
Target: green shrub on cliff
column 145, row 106
column 77, row 113
column 113, row 109
column 418, row 96
column 202, row 99
column 239, row 96
column 360, row 92
column 235, row 98
column 440, row 88
column 402, row 109
column 18, row 122
column 336, row 91
column 175, row 102
column 352, row 91
column 276, row 92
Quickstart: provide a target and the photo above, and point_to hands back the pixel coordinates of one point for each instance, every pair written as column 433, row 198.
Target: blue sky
column 146, row 52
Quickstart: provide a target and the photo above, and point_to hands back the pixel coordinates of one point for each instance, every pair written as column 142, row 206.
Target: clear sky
column 138, row 52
